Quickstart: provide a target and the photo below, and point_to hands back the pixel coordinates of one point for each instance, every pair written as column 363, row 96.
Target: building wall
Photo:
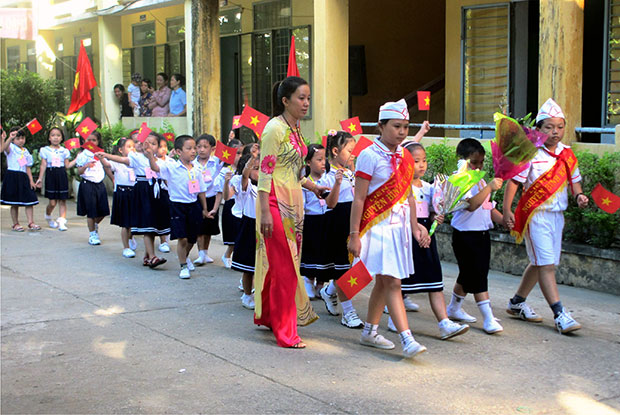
column 404, row 44
column 159, row 16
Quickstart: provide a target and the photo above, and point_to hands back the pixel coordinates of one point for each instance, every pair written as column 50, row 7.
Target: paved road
column 85, row 330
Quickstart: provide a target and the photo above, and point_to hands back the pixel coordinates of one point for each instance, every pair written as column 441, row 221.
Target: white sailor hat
column 394, row 111
column 550, row 109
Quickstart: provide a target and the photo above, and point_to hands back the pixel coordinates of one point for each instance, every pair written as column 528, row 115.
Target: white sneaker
column 133, row 244
column 410, row 305
column 51, row 222
column 352, row 320
column 377, row 341
column 412, row 347
column 391, row 326
column 190, row 264
column 184, row 274
column 492, row 326
column 565, row 323
column 451, row 329
column 226, row 261
column 523, row 311
column 128, row 253
column 93, row 239
column 200, row 261
column 385, row 310
column 240, row 284
column 331, row 301
column 62, row 224
column 165, row 248
column 461, row 315
column 310, row 289
column 247, row 301
column 208, row 259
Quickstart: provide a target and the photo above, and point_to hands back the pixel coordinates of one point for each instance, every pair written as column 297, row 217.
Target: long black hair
column 284, row 89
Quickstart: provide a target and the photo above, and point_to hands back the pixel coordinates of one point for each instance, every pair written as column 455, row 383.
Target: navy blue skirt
column 316, row 259
column 92, row 200
column 244, row 256
column 121, row 206
column 338, row 226
column 428, row 276
column 210, row 226
column 230, row 223
column 149, row 214
column 56, row 183
column 16, row 190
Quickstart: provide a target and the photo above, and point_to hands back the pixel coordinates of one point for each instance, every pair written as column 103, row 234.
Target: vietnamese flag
column 254, row 120
column 362, row 143
column 352, row 125
column 424, row 100
column 92, row 147
column 72, row 143
column 143, row 132
column 292, row 69
column 354, row 280
column 225, row 153
column 236, row 122
column 34, row 126
column 168, row 136
column 604, row 199
column 324, row 141
column 84, row 82
column 86, row 128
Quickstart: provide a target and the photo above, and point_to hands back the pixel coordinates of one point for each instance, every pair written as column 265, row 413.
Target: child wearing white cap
column 382, row 224
column 539, row 216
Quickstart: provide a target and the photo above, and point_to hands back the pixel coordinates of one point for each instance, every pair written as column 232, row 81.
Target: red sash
column 546, row 186
column 379, row 203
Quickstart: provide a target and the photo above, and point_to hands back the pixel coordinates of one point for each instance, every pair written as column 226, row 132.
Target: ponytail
column 284, row 89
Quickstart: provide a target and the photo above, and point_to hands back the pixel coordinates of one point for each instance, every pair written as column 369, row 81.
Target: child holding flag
column 17, row 184
column 230, row 222
column 539, row 216
column 382, row 224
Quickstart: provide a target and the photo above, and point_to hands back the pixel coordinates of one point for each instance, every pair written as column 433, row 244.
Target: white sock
column 347, row 306
column 456, row 302
column 370, row 329
column 485, row 309
column 404, row 336
column 443, row 322
column 331, row 288
column 202, row 253
column 93, row 233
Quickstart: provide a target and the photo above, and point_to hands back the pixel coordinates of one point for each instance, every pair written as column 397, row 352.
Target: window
column 272, row 14
column 143, row 34
column 12, row 57
column 485, row 62
column 175, row 29
column 612, row 87
column 230, row 21
column 31, row 57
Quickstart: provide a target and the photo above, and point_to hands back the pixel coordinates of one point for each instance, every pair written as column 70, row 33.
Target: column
column 110, row 67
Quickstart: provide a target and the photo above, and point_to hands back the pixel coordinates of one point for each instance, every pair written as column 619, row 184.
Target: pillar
column 561, row 59
column 205, row 71
column 330, row 84
column 110, row 67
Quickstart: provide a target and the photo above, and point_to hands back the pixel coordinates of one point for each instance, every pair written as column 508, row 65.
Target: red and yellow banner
column 545, row 187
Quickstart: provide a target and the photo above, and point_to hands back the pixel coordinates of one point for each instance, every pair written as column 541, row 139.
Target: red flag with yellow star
column 424, row 100
column 225, row 153
column 354, row 280
column 94, row 148
column 72, row 143
column 86, row 128
column 352, row 126
column 143, row 132
column 236, row 122
column 604, row 199
column 84, row 82
column 361, row 144
column 34, row 126
column 254, row 120
column 168, row 136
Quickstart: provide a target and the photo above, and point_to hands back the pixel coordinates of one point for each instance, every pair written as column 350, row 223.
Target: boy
column 539, row 219
column 134, row 93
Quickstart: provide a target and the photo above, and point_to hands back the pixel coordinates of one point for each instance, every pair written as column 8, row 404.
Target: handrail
column 595, row 130
column 491, row 127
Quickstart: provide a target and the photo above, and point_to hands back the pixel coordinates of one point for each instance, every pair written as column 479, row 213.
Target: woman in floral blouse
column 281, row 300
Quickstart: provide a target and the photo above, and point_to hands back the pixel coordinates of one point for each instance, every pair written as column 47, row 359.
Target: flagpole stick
column 104, row 110
column 428, row 114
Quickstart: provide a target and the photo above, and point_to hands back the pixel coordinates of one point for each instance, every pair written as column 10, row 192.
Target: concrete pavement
column 85, row 330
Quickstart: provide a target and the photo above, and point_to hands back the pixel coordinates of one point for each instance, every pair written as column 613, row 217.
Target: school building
column 475, row 56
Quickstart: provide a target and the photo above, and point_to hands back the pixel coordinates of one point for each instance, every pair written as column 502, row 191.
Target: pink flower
column 294, row 140
column 269, row 164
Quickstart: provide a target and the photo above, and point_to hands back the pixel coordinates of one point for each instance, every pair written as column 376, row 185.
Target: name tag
column 206, row 175
column 421, row 209
column 22, row 161
column 193, row 186
column 322, row 202
column 56, row 162
column 150, row 174
column 131, row 175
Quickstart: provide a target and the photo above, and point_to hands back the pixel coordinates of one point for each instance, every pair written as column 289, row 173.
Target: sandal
column 298, row 345
column 146, row 261
column 34, row 227
column 156, row 261
column 17, row 228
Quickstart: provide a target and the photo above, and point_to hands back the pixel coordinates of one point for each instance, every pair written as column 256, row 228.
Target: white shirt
column 209, row 172
column 55, row 157
column 539, row 165
column 235, row 183
column 247, row 198
column 139, row 163
column 123, row 174
column 347, row 186
column 94, row 174
column 312, row 204
column 178, row 177
column 16, row 155
column 423, row 197
column 134, row 93
column 374, row 164
column 221, row 179
column 479, row 219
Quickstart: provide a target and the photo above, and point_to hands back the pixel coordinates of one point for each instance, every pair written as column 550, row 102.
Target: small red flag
column 225, row 153
column 604, row 199
column 292, row 69
column 34, row 126
column 84, row 82
column 236, row 122
column 362, row 143
column 254, row 120
column 424, row 100
column 92, row 147
column 72, row 143
column 354, row 280
column 352, row 125
column 86, row 128
column 324, row 141
column 169, row 136
column 143, row 132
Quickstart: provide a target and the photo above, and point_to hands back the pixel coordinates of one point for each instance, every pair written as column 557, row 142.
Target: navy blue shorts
column 184, row 220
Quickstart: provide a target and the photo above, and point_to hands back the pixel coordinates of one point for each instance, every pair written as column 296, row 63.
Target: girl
column 471, row 241
column 54, row 165
column 124, row 181
column 340, row 144
column 230, row 222
column 382, row 224
column 316, row 262
column 17, row 185
column 187, row 198
column 162, row 156
column 92, row 196
column 150, row 213
column 428, row 276
column 209, row 167
column 243, row 259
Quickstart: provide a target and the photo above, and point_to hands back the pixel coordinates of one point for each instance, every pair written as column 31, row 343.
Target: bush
column 441, row 158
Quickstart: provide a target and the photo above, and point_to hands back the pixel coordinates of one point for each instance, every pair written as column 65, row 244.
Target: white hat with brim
column 394, row 111
column 550, row 109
